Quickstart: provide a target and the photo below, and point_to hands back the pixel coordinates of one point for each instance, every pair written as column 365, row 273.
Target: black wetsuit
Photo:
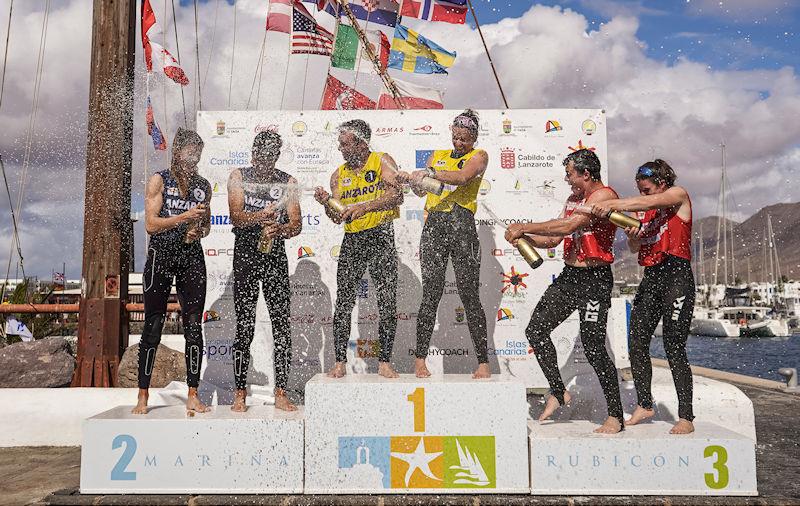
column 587, row 289
column 168, row 258
column 453, row 235
column 666, row 293
column 251, row 267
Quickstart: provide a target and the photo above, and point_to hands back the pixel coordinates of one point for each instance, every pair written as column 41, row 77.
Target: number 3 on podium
column 721, row 479
column 417, row 398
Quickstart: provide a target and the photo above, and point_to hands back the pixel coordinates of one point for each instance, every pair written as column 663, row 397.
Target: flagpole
column 178, row 51
column 489, row 56
column 233, row 55
column 330, row 60
column 288, row 58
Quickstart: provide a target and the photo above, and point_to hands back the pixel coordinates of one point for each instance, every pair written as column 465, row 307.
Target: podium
column 445, row 434
column 568, row 458
column 165, row 451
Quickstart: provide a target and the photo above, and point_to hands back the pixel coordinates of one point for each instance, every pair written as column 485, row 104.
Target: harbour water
column 752, row 357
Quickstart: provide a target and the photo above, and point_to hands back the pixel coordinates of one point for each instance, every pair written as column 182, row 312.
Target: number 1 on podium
column 417, row 398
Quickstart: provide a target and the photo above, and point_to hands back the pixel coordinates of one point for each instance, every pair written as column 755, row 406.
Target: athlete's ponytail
column 658, row 171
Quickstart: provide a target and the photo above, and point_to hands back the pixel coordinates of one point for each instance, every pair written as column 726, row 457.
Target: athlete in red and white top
column 664, row 244
column 584, row 284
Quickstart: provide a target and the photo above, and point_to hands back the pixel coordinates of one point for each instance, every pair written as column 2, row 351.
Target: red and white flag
column 338, row 95
column 412, row 96
column 279, row 16
column 168, row 63
column 447, row 11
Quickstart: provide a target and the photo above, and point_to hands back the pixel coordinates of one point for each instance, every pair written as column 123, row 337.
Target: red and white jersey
column 664, row 233
column 593, row 242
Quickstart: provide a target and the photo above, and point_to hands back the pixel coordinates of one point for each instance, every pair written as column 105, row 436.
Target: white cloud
column 548, row 57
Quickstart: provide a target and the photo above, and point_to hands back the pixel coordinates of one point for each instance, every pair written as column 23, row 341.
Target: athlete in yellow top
column 367, row 184
column 449, row 232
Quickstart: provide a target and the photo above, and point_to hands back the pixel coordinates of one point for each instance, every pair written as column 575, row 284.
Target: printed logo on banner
column 335, row 251
column 580, row 146
column 220, row 127
column 535, row 161
column 460, row 315
column 311, row 159
column 485, row 188
column 211, row 316
column 508, row 159
column 504, row 313
column 221, row 219
column 419, row 462
column 551, row 252
column 231, row 159
column 219, row 189
column 512, row 350
column 304, row 252
column 362, row 290
column 299, row 128
column 506, row 126
column 366, row 348
column 546, row 189
column 387, row 131
column 286, row 157
column 552, row 126
column 422, row 156
column 513, row 283
column 223, row 129
column 589, row 127
column 518, row 188
column 415, row 214
column 424, row 130
column 272, row 127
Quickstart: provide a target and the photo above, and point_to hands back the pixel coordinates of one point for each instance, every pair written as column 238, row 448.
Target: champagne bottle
column 336, row 205
column 623, row 220
column 431, row 185
column 528, row 252
column 265, row 243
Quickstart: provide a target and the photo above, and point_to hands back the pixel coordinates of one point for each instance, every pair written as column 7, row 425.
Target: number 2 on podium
column 417, row 398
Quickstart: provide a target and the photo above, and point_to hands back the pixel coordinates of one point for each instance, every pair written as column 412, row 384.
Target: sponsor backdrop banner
column 523, row 182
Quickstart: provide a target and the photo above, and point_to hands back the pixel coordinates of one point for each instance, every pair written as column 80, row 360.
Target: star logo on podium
column 417, row 462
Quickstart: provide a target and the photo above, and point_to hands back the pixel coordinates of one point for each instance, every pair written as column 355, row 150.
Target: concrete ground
column 50, row 475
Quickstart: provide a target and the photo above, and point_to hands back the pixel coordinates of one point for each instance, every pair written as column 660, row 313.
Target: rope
column 178, row 52
column 489, row 56
column 213, row 38
column 5, row 61
column 164, row 88
column 197, row 54
column 16, row 230
column 255, row 75
column 233, row 55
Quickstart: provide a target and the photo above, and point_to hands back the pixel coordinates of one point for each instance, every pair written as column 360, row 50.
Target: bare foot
column 421, row 369
column 640, row 414
column 551, row 405
column 610, row 426
column 682, row 427
column 239, row 401
column 338, row 370
column 141, row 403
column 482, row 372
column 385, row 370
column 193, row 404
column 282, row 401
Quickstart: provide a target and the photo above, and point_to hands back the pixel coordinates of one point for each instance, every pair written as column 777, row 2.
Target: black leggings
column 666, row 293
column 251, row 267
column 451, row 235
column 373, row 249
column 587, row 289
column 186, row 264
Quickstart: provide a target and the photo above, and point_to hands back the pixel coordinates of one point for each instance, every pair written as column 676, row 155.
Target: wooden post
column 107, row 234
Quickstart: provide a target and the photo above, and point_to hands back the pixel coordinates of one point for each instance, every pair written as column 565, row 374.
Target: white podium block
column 445, row 434
column 568, row 458
column 259, row 451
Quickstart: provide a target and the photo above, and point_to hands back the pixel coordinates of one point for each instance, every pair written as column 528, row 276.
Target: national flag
column 153, row 131
column 329, row 6
column 279, row 16
column 411, row 52
column 15, row 327
column 307, row 36
column 58, row 280
column 170, row 65
column 382, row 12
column 148, row 20
column 349, row 48
column 412, row 96
column 338, row 95
column 448, row 11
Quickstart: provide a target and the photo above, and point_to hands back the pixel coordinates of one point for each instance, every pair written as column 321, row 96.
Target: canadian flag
column 169, row 64
column 412, row 96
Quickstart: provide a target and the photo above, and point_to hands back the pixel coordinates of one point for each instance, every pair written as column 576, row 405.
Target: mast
column 724, row 222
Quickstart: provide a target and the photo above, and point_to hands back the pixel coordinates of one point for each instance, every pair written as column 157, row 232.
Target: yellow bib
column 364, row 186
column 465, row 196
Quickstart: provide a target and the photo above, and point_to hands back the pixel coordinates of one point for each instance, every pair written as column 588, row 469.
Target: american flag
column 307, row 36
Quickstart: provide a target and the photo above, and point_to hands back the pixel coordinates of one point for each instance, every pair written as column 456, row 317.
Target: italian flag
column 348, row 49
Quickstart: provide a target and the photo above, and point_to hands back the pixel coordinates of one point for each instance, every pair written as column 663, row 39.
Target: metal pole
column 489, row 56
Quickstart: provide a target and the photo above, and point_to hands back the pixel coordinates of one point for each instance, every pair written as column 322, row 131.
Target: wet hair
column 658, row 171
column 584, row 160
column 469, row 120
column 357, row 127
column 185, row 137
column 267, row 143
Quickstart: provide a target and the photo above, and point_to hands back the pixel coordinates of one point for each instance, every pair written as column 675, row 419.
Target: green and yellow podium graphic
column 420, row 462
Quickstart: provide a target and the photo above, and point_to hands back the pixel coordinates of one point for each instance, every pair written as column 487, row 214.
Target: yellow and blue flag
column 411, row 52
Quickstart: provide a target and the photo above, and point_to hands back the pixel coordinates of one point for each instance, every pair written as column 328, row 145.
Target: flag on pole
column 412, row 96
column 447, row 11
column 169, row 64
column 338, row 95
column 153, row 131
column 349, row 48
column 307, row 36
column 279, row 16
column 411, row 52
column 15, row 327
column 382, row 12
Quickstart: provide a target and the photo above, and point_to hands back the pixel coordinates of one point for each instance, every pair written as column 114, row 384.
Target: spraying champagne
column 524, row 244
